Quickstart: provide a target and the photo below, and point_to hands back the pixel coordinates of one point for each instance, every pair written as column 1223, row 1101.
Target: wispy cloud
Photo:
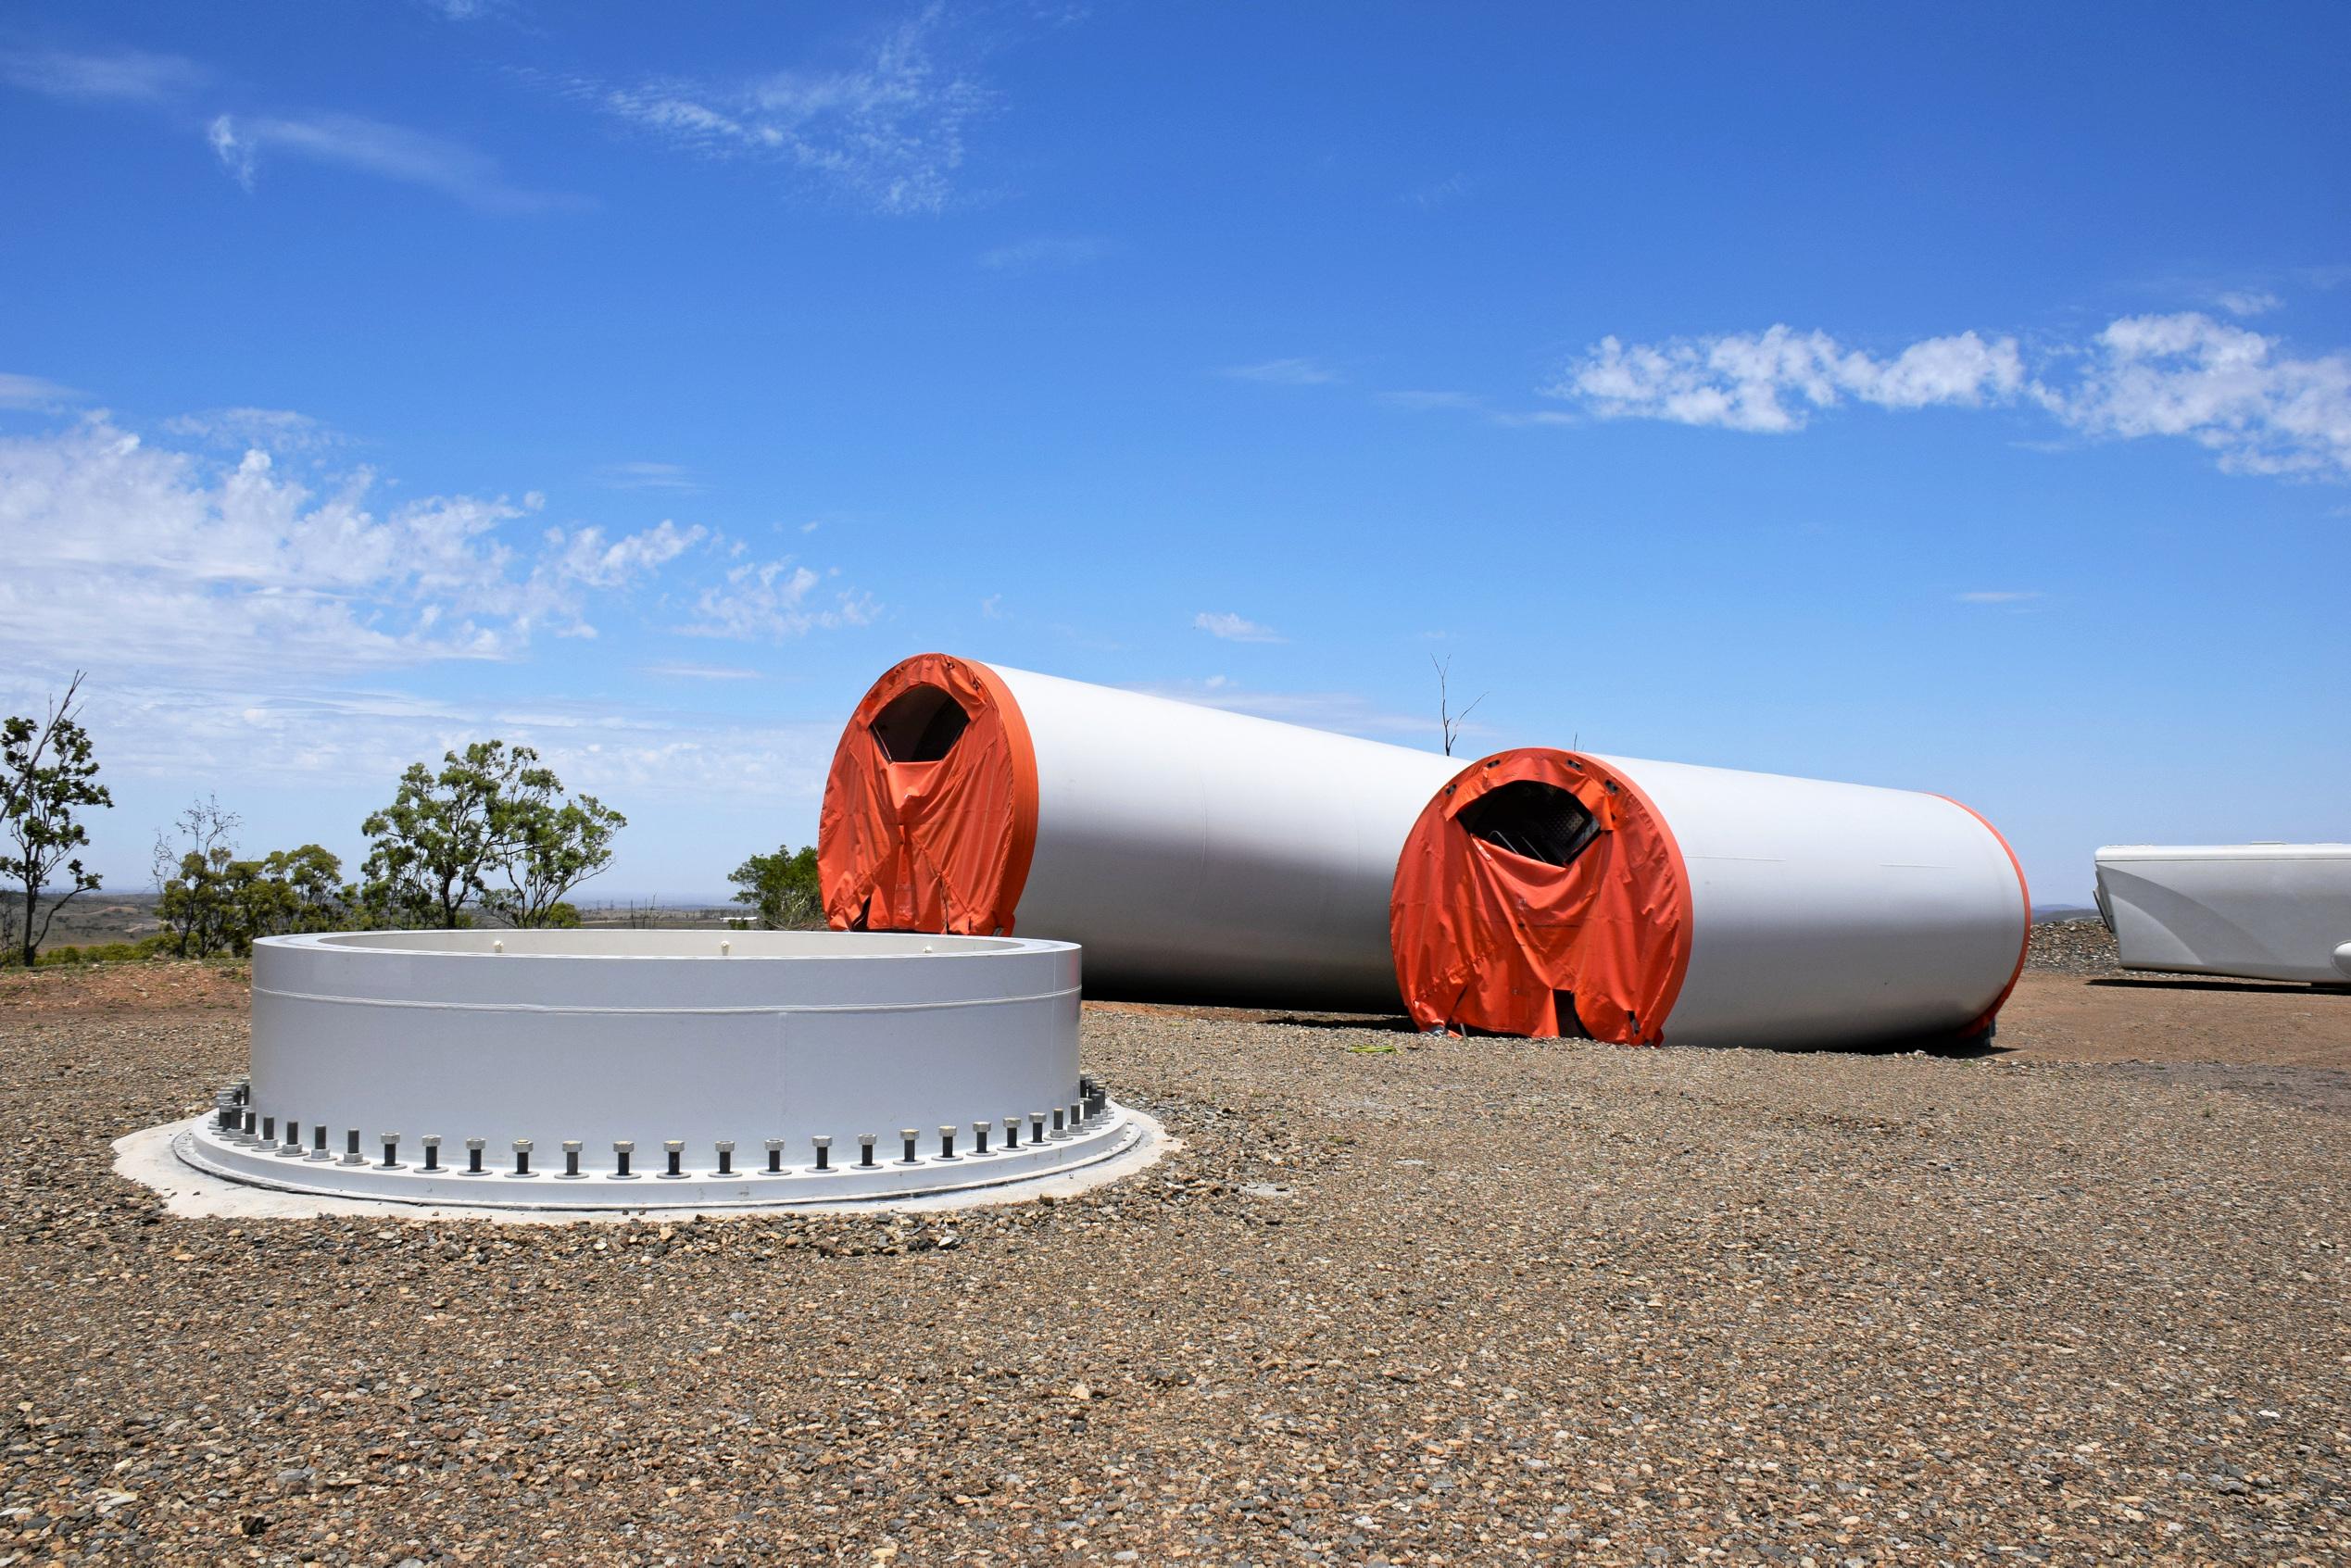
column 1285, row 373
column 466, row 10
column 1438, row 193
column 271, row 430
column 1457, row 400
column 2247, row 302
column 1773, row 379
column 128, row 76
column 2226, row 388
column 1234, row 628
column 2230, row 389
column 31, row 392
column 245, row 623
column 327, row 735
column 587, row 556
column 773, row 600
column 646, row 476
column 1044, row 253
column 1997, row 596
column 391, row 152
column 886, row 132
column 134, row 556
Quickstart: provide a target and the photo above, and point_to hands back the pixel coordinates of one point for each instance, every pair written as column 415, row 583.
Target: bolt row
column 238, row 1121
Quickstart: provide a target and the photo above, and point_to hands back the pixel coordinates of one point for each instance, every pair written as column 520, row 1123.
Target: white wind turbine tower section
column 587, row 1069
column 1194, row 852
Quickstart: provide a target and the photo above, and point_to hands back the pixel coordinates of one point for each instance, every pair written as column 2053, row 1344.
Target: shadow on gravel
column 2320, row 1089
column 2202, row 983
column 1979, row 1048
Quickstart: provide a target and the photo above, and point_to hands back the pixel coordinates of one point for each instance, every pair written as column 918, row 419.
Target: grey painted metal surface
column 1204, row 853
column 2267, row 911
column 659, row 1068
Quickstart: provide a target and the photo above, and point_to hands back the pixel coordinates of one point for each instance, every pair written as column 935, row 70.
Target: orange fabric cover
column 2024, row 944
column 1486, row 939
column 941, row 845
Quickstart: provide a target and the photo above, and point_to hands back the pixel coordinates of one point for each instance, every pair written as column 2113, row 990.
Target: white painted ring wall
column 652, row 1036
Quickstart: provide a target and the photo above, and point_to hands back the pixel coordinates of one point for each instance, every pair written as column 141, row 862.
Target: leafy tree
column 213, row 901
column 781, row 888
column 433, row 849
column 190, row 880
column 46, row 772
column 492, row 811
column 384, row 905
column 287, row 891
column 554, row 842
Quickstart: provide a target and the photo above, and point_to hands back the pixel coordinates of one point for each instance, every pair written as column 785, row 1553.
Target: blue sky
column 1957, row 401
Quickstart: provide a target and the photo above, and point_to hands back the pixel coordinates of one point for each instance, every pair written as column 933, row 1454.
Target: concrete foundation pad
column 164, row 1158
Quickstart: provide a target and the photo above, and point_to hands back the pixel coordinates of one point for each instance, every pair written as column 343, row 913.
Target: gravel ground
column 1398, row 1300
column 2072, row 947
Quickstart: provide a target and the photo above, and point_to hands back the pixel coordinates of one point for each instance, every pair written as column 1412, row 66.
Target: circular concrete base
column 176, row 1160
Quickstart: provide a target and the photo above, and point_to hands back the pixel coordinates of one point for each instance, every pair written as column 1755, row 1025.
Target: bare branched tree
column 1447, row 719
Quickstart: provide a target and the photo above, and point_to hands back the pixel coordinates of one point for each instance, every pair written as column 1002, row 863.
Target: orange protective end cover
column 942, row 846
column 1488, row 939
column 2024, row 945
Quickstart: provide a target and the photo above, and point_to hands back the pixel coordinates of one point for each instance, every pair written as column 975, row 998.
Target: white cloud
column 136, row 557
column 31, row 392
column 2228, row 388
column 2247, row 302
column 646, row 476
column 1772, row 380
column 243, row 624
column 1045, row 252
column 773, row 599
column 1285, row 373
column 2225, row 387
column 272, row 430
column 129, row 75
column 327, row 736
column 393, row 152
column 133, row 554
column 1233, row 629
column 1997, row 596
column 585, row 555
column 887, row 131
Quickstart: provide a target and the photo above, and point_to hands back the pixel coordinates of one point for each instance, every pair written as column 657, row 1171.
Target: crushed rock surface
column 1398, row 1300
column 2072, row 947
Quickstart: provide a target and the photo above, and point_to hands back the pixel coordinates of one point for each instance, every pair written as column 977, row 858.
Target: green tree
column 432, row 852
column 554, row 842
column 212, row 900
column 781, row 889
column 46, row 772
column 490, row 812
column 286, row 890
column 189, row 879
